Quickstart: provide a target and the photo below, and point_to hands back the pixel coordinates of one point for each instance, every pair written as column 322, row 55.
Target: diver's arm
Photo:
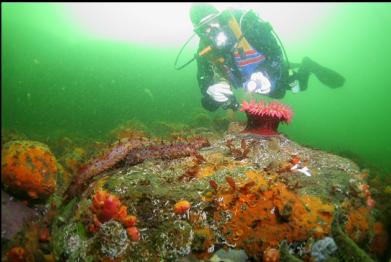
column 205, row 73
column 214, row 87
column 205, row 78
column 209, row 104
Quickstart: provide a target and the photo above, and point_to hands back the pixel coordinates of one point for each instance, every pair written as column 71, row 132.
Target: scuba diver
column 238, row 49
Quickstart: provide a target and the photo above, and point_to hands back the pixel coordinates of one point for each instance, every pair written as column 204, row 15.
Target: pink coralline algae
column 263, row 119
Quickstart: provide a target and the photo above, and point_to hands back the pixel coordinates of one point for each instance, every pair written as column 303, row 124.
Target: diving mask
column 215, row 30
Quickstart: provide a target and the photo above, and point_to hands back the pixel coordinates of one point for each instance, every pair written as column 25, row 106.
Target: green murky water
column 59, row 80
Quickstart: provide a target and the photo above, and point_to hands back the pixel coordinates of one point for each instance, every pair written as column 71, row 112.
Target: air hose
column 179, row 54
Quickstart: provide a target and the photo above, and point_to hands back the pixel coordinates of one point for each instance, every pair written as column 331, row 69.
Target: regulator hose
column 179, row 54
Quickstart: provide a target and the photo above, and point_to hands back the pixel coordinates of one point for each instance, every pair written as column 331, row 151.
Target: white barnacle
column 211, row 249
column 228, row 244
column 197, row 205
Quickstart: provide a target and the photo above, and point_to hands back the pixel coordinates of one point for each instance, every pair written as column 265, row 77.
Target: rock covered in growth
column 70, row 243
column 174, row 240
column 229, row 255
column 29, row 168
column 249, row 203
column 113, row 239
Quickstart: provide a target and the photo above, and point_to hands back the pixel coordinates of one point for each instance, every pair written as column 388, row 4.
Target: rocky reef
column 233, row 197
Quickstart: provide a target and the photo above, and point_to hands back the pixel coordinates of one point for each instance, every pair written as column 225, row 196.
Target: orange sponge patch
column 29, row 167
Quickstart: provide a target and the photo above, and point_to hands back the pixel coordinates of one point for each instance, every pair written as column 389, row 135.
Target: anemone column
column 263, row 119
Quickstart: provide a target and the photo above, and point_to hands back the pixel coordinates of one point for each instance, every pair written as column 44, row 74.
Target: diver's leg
column 301, row 74
column 325, row 75
column 294, row 65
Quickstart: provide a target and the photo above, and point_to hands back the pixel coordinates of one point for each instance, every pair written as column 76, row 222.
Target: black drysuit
column 258, row 34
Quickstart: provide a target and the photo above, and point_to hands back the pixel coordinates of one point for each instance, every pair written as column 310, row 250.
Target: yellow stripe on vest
column 234, row 25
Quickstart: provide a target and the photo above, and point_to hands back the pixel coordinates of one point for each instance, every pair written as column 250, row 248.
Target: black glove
column 231, row 104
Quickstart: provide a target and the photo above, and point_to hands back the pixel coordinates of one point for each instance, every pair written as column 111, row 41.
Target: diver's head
column 201, row 12
column 211, row 26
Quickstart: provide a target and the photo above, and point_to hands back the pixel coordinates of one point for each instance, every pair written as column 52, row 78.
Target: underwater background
column 59, row 78
column 108, row 155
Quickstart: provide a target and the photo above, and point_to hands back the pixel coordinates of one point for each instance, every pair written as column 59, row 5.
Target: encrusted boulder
column 244, row 192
